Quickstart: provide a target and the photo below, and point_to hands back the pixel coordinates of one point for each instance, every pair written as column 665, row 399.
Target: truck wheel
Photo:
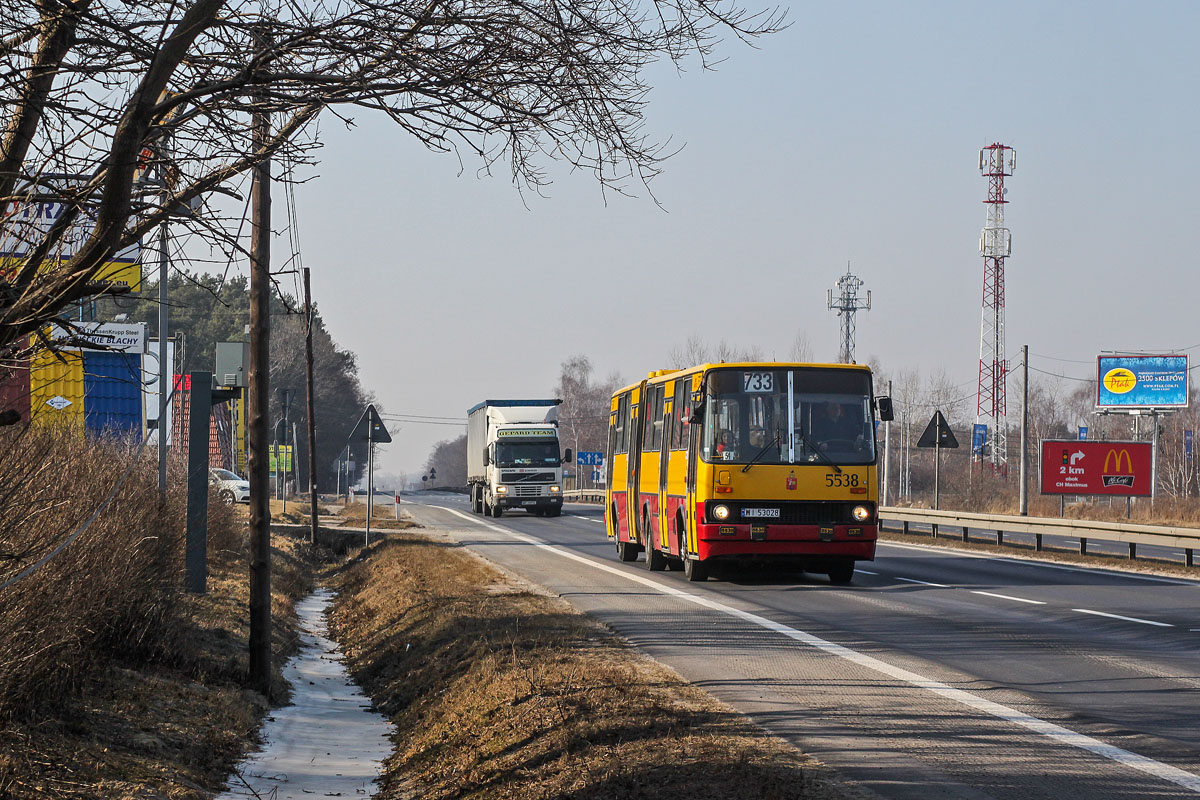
column 842, row 573
column 497, row 511
column 553, row 512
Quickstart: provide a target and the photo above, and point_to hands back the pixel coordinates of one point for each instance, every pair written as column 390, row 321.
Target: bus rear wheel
column 842, row 573
column 654, row 557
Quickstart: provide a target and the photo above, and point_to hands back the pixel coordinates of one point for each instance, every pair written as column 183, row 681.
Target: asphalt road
column 937, row 674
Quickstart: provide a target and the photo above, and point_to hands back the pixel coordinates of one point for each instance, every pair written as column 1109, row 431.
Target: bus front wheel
column 694, row 569
column 841, row 573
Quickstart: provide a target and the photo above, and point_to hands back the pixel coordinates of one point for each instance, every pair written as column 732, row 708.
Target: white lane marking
column 1127, row 619
column 923, row 583
column 1033, row 562
column 1050, row 730
column 1010, row 597
column 866, row 572
column 586, row 519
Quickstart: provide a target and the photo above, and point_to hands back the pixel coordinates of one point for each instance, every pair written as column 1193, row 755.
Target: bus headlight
column 861, row 513
column 555, row 489
column 501, row 490
column 720, row 513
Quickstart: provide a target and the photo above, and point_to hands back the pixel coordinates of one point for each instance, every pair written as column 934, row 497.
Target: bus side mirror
column 486, row 460
column 884, row 406
column 697, row 415
column 567, row 456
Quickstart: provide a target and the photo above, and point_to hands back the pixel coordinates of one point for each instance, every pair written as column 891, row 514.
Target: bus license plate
column 762, row 513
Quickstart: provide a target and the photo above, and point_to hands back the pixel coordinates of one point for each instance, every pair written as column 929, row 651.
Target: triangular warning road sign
column 937, row 433
column 370, row 428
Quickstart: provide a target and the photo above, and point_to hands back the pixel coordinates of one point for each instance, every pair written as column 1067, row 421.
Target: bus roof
column 659, row 376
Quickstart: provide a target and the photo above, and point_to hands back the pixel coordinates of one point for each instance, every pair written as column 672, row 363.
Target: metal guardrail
column 585, row 495
column 1161, row 535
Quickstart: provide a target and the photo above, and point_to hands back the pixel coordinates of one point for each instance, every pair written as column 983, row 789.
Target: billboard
column 25, row 223
column 1142, row 382
column 1099, row 468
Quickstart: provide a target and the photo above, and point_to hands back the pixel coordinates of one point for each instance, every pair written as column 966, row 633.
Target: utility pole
column 260, row 399
column 887, row 452
column 312, row 418
column 164, row 393
column 1023, row 503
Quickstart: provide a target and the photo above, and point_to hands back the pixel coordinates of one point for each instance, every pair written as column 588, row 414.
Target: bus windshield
column 799, row 415
column 527, row 454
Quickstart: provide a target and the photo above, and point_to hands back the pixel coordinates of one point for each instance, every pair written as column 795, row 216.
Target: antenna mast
column 846, row 303
column 996, row 162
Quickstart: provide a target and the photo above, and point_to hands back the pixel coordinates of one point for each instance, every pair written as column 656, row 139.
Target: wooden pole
column 259, row 406
column 312, row 417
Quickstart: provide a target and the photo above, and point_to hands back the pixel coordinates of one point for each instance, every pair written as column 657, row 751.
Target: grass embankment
column 114, row 683
column 500, row 691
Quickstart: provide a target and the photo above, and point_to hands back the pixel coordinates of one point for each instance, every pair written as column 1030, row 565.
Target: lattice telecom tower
column 846, row 303
column 996, row 162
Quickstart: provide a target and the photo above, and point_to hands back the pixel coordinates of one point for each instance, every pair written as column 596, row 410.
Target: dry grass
column 114, row 683
column 499, row 691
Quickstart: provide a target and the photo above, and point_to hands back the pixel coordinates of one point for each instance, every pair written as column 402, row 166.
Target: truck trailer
column 513, row 457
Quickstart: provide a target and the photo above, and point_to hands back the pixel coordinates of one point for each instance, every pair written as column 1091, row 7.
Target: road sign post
column 937, row 435
column 370, row 429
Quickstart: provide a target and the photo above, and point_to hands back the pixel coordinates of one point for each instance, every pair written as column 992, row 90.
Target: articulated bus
column 746, row 462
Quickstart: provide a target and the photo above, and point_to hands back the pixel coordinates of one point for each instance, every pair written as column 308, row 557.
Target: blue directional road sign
column 590, row 458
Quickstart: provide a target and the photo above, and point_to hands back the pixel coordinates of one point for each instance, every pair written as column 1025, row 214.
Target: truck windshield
column 527, row 454
column 788, row 416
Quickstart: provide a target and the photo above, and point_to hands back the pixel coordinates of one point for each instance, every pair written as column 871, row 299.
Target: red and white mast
column 996, row 162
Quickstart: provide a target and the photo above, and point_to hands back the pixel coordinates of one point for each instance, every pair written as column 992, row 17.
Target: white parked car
column 229, row 486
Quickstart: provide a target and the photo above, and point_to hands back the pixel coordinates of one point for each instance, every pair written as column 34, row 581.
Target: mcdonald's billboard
column 1100, row 468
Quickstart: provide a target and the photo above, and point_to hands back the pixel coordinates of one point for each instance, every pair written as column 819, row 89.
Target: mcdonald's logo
column 1117, row 476
column 1122, row 455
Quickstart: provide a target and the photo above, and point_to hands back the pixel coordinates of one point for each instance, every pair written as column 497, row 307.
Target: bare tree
column 583, row 416
column 145, row 104
column 696, row 351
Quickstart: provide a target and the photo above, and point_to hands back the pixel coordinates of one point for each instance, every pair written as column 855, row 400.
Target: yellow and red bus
column 746, row 462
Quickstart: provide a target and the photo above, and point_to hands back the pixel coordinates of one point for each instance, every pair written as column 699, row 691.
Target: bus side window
column 679, row 437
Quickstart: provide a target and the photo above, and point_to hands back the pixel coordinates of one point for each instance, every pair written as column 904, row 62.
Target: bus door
column 667, row 392
column 634, row 459
column 693, row 457
column 649, row 505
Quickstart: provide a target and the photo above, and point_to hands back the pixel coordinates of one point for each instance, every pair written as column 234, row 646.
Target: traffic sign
column 590, row 458
column 937, row 433
column 370, row 428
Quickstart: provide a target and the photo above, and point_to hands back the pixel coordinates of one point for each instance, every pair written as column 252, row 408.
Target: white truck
column 513, row 457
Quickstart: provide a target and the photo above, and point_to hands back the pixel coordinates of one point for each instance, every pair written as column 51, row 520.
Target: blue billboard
column 1142, row 382
column 978, row 438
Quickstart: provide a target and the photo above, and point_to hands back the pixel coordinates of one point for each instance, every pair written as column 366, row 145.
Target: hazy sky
column 854, row 135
